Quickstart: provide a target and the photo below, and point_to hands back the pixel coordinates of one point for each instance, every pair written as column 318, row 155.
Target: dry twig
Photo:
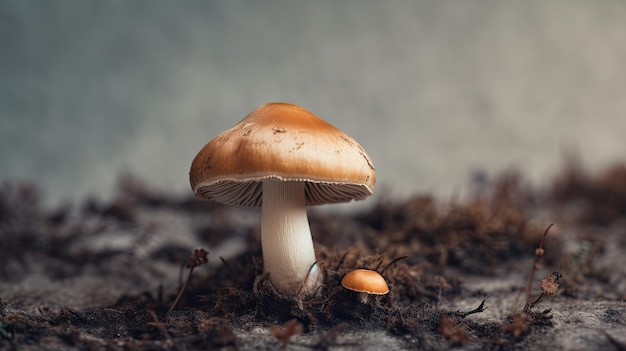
column 198, row 258
column 478, row 309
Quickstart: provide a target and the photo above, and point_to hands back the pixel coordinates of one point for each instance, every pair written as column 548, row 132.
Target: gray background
column 434, row 90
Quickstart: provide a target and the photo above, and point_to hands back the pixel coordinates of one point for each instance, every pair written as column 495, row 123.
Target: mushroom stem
column 288, row 252
column 364, row 297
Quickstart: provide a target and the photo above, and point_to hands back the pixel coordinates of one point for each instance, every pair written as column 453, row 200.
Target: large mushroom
column 282, row 157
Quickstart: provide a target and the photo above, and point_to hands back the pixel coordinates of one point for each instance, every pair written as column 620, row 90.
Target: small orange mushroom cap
column 365, row 280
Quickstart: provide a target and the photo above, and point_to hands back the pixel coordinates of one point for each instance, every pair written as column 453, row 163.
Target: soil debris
column 106, row 275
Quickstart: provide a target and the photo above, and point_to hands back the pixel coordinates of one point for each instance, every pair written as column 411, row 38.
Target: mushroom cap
column 365, row 280
column 285, row 142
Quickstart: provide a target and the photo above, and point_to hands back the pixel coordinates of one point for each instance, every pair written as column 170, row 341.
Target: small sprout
column 199, row 257
column 548, row 286
column 539, row 251
column 284, row 334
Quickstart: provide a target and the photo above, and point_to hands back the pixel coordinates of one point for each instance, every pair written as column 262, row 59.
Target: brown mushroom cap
column 286, row 142
column 365, row 281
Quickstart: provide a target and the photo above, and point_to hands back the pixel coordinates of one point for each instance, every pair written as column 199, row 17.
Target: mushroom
column 282, row 157
column 366, row 282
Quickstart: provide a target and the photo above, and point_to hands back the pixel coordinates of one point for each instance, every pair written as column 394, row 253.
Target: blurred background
column 438, row 92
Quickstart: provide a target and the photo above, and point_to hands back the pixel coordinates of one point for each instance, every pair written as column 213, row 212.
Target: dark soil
column 103, row 276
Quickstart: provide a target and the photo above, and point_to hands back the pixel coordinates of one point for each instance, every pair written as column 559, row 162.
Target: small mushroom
column 282, row 157
column 366, row 282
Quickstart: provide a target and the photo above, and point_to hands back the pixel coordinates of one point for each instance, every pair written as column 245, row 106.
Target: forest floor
column 102, row 276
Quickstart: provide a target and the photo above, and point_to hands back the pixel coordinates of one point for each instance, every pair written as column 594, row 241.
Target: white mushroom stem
column 364, row 297
column 288, row 253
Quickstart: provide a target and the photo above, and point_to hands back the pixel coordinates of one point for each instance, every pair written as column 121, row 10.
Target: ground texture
column 102, row 276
